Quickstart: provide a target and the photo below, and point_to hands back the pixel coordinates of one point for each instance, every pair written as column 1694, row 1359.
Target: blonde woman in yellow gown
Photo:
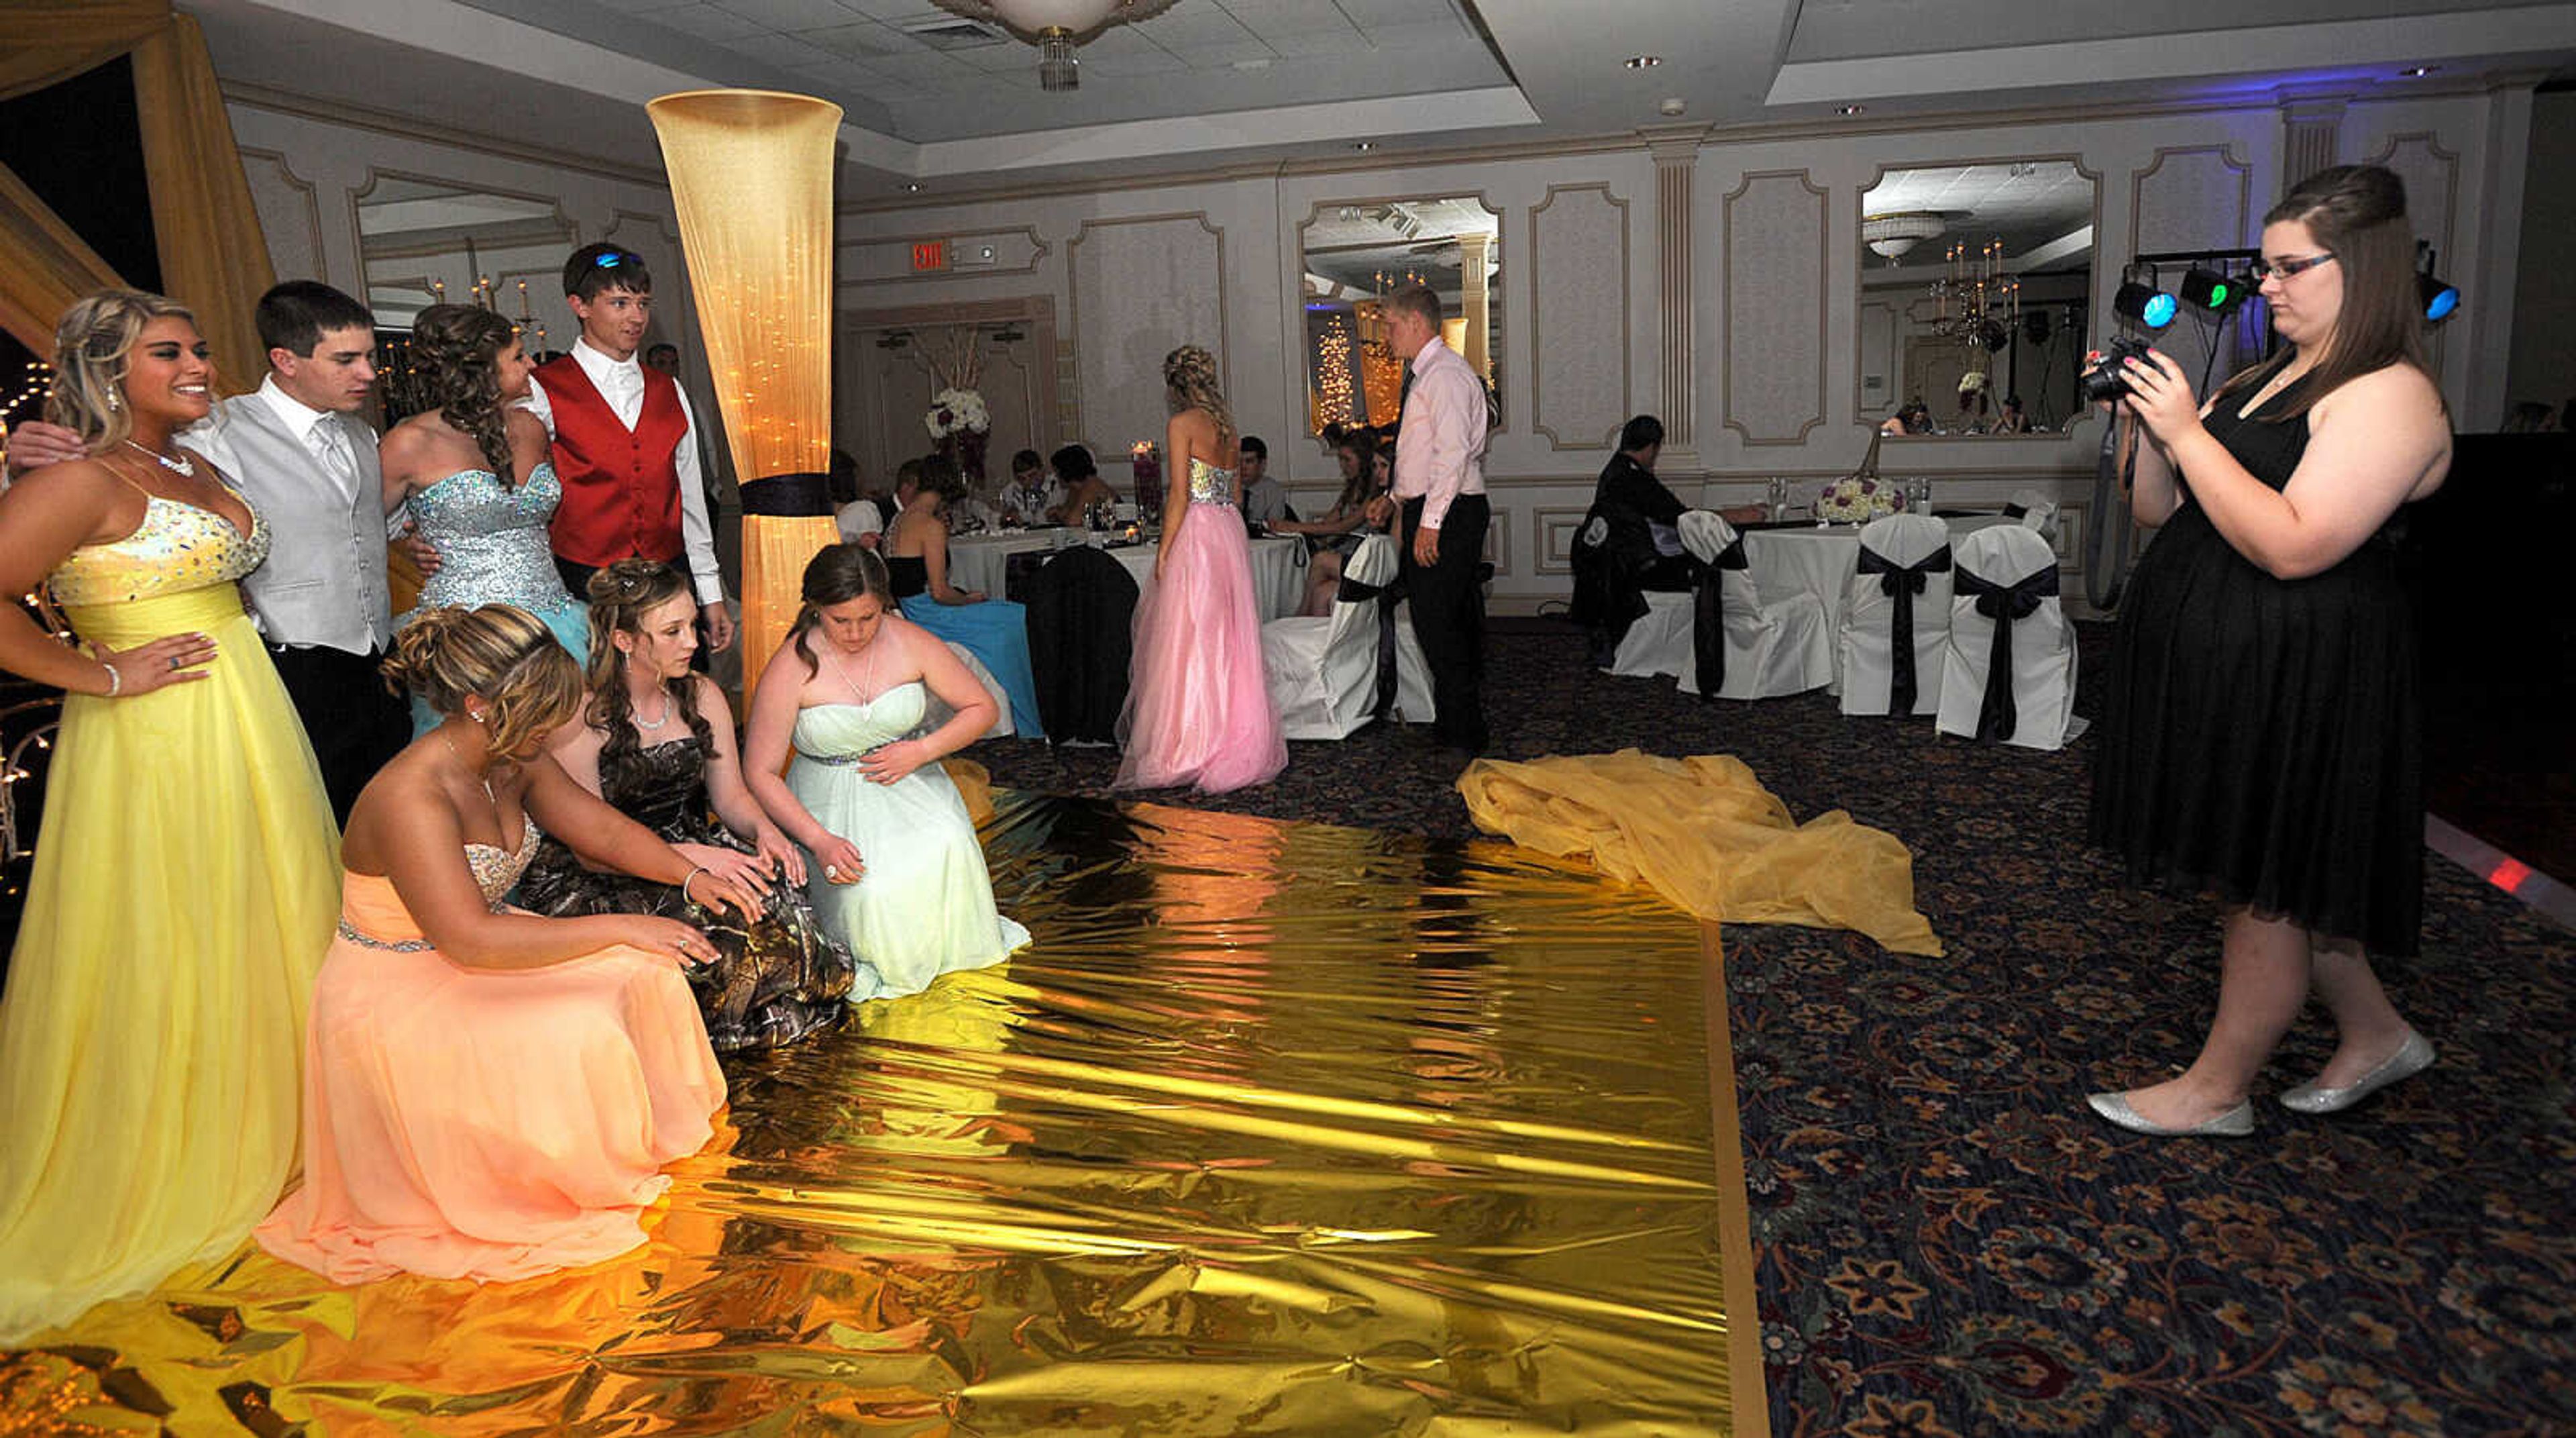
column 185, row 880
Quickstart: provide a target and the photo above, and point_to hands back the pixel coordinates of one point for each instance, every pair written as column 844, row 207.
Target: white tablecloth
column 1822, row 562
column 976, row 561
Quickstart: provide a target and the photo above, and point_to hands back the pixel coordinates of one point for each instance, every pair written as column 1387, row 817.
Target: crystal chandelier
column 1056, row 27
column 1976, row 302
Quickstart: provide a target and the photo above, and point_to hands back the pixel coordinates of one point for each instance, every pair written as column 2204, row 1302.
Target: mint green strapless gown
column 925, row 906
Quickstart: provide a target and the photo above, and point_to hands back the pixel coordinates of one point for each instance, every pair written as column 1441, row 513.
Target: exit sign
column 930, row 255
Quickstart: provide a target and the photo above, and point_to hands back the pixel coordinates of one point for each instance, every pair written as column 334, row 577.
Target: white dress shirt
column 1440, row 451
column 621, row 383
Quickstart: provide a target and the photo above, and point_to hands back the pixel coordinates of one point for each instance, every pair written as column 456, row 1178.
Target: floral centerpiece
column 1857, row 499
column 957, row 411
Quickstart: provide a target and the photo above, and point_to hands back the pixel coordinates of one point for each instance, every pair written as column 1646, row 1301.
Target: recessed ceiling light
column 1644, row 62
column 1849, row 109
column 2418, row 72
column 1364, row 144
column 911, row 189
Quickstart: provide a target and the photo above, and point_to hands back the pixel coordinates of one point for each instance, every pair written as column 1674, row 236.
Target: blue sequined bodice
column 491, row 539
column 1209, row 484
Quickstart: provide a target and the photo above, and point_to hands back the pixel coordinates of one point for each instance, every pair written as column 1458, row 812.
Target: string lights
column 1334, row 384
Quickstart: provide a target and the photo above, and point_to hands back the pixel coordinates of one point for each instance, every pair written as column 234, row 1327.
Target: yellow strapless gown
column 185, row 887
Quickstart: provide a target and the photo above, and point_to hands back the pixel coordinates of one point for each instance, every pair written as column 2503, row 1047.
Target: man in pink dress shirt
column 1440, row 483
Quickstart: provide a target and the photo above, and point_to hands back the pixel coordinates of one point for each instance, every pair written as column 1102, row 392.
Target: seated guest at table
column 1265, row 499
column 833, row 754
column 1628, row 492
column 2013, row 420
column 1333, row 538
column 489, row 1094
column 1030, row 494
column 995, row 631
column 852, row 510
column 1079, row 480
column 776, row 979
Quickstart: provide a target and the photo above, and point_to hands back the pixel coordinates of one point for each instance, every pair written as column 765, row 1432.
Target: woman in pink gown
column 489, row 1094
column 1197, row 711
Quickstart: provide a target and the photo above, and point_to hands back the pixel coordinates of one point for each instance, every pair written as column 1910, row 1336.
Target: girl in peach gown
column 489, row 1094
column 1197, row 710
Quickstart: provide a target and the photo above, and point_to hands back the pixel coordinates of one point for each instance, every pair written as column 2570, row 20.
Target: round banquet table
column 977, row 561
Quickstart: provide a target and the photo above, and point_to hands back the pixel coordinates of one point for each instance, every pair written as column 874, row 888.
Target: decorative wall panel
column 289, row 215
column 2190, row 198
column 1773, row 343
column 1556, row 527
column 1140, row 288
column 1579, row 289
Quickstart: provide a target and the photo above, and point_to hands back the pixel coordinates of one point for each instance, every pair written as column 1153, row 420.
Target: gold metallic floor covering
column 1277, row 1128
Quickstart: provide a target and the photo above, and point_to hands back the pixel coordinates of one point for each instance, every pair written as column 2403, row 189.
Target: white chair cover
column 1902, row 542
column 1322, row 673
column 1659, row 641
column 935, row 713
column 2036, row 511
column 1773, row 647
column 2041, row 692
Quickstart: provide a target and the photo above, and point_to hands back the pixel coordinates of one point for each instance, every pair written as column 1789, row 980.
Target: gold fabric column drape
column 751, row 177
column 214, row 258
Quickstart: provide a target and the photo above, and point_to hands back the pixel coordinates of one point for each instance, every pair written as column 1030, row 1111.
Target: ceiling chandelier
column 1056, row 27
column 1891, row 235
column 1976, row 302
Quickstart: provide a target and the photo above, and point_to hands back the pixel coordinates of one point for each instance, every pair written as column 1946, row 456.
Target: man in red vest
column 626, row 447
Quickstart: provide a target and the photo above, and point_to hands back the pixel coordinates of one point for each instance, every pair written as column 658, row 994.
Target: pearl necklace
column 649, row 725
column 183, row 468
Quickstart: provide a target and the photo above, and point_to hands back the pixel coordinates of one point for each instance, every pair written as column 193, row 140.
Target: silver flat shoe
column 2412, row 1057
column 2237, row 1122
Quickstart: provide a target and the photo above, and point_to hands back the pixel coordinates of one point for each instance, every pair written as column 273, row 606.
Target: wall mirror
column 428, row 241
column 1975, row 288
column 1354, row 253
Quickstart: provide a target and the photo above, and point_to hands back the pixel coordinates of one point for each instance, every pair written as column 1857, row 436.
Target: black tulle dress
column 775, row 981
column 2262, row 738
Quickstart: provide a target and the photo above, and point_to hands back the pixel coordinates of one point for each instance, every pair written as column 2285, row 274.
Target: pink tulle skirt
column 1197, row 712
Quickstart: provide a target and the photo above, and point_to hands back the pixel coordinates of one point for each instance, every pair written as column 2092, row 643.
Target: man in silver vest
column 299, row 450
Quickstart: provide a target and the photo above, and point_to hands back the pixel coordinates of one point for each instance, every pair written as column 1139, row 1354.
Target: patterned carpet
column 1947, row 1242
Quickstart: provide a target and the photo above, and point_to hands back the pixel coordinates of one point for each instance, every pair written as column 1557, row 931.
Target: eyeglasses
column 2293, row 267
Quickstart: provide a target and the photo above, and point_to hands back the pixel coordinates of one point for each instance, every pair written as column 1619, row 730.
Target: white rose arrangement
column 1857, row 500
column 955, row 412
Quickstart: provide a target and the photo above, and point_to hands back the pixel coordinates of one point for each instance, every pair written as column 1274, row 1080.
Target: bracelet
column 694, row 871
column 115, row 681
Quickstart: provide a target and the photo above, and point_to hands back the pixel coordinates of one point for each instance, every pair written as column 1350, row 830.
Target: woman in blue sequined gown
column 475, row 469
column 893, row 864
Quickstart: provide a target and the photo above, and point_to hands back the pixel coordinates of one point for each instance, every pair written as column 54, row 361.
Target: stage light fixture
column 2143, row 304
column 2440, row 296
column 2211, row 290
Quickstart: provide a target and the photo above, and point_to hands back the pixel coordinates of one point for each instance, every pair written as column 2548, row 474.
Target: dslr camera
column 2104, row 379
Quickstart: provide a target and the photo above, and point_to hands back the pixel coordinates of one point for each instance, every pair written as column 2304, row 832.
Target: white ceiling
column 2033, row 208
column 1229, row 81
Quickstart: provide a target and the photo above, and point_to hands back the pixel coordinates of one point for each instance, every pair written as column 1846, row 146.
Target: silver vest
column 324, row 582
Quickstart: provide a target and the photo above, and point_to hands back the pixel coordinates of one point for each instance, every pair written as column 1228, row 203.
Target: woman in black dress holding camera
column 2261, row 740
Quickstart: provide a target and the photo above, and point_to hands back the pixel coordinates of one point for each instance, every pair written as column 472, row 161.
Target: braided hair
column 500, row 652
column 456, row 348
column 620, row 596
column 837, row 574
column 1190, row 372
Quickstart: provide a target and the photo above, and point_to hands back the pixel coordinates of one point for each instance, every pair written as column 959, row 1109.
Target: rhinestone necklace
column 180, row 467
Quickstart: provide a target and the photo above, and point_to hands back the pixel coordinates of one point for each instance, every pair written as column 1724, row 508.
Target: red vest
column 621, row 488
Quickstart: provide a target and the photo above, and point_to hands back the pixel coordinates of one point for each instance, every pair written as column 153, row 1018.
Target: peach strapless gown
column 481, row 1123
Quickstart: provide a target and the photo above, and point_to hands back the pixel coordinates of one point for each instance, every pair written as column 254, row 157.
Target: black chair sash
column 1902, row 583
column 2015, row 511
column 1708, row 617
column 2003, row 603
column 1387, row 596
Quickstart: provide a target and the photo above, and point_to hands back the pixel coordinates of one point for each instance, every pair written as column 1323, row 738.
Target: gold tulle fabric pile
column 1705, row 834
column 1276, row 1128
